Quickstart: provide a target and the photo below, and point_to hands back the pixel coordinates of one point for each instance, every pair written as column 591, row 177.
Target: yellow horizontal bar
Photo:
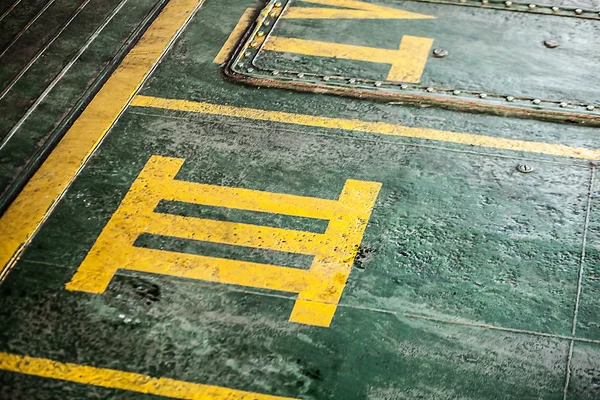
column 252, row 200
column 114, row 379
column 221, row 270
column 232, row 233
column 383, row 128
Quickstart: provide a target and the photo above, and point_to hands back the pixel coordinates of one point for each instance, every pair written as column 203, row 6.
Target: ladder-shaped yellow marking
column 408, row 62
column 319, row 288
column 114, row 379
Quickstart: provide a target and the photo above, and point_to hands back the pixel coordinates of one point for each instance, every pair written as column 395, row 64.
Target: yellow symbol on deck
column 319, row 288
column 407, row 62
column 358, row 10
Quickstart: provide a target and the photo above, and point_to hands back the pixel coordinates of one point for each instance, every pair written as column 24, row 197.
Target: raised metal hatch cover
column 506, row 58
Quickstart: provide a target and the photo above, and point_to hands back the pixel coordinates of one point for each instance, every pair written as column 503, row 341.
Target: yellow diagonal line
column 383, row 128
column 39, row 197
column 114, row 379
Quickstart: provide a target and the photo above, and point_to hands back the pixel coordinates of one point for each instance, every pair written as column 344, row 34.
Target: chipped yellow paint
column 114, row 379
column 382, row 128
column 319, row 288
column 39, row 197
column 234, row 37
column 353, row 10
column 408, row 62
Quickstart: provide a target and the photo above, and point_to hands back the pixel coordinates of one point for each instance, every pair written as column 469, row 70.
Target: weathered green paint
column 457, row 235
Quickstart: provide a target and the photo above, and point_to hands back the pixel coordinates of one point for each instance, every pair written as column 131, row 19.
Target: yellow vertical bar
column 317, row 305
column 410, row 59
column 234, row 37
column 41, row 194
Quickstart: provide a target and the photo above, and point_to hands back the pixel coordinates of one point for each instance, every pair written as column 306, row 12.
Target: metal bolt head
column 456, row 92
column 403, row 87
column 253, row 44
column 241, row 65
column 430, row 89
column 352, row 81
column 510, row 98
column 551, row 43
column 531, row 6
column 326, row 78
column 563, row 104
column 377, row 84
column 272, row 14
column 590, row 107
column 508, row 3
column 260, row 34
column 484, row 1
column 482, row 95
column 250, row 70
column 275, row 72
column 524, row 168
column 278, row 4
column 555, row 9
column 247, row 54
column 300, row 75
column 536, row 101
column 578, row 11
column 440, row 53
column 266, row 23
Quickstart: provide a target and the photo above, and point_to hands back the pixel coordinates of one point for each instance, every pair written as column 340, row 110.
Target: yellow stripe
column 370, row 127
column 113, row 379
column 234, row 37
column 46, row 187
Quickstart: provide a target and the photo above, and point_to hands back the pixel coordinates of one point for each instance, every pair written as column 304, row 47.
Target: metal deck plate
column 499, row 57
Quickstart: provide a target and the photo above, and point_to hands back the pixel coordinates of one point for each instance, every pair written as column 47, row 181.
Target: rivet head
column 524, row 168
column 275, row 72
column 278, row 4
column 483, row 95
column 272, row 14
column 250, row 70
column 536, row 101
column 510, row 98
column 403, row 87
column 579, row 11
column 326, row 78
column 590, row 107
column 253, row 44
column 531, row 6
column 439, row 52
column 484, row 1
column 508, row 3
column 266, row 23
column 300, row 75
column 550, row 43
column 247, row 54
column 377, row 84
column 456, row 92
column 241, row 65
column 430, row 89
column 555, row 9
column 352, row 81
column 260, row 34
column 563, row 104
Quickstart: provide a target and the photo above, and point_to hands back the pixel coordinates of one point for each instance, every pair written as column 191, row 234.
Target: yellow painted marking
column 114, row 379
column 382, row 128
column 407, row 62
column 358, row 10
column 234, row 37
column 37, row 200
column 319, row 288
